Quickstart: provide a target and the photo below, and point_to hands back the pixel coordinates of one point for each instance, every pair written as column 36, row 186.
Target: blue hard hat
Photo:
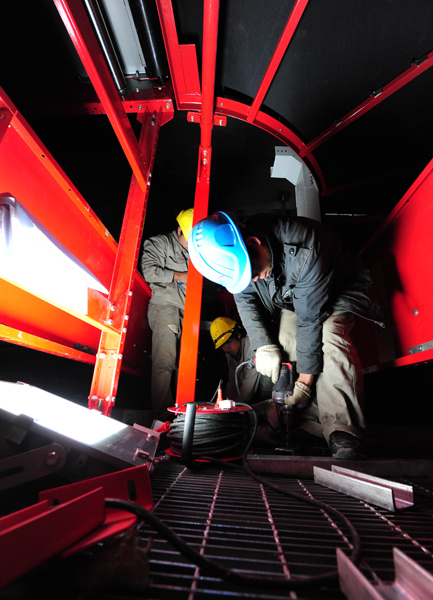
column 218, row 252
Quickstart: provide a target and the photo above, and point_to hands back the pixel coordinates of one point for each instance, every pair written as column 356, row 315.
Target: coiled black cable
column 220, row 435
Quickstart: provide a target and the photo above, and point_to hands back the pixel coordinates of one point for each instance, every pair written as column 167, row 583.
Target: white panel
column 125, row 35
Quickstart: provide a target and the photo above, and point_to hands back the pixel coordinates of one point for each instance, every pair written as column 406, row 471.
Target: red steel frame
column 36, row 323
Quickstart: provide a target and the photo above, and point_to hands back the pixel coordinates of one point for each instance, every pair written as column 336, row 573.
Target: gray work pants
column 165, row 321
column 339, row 397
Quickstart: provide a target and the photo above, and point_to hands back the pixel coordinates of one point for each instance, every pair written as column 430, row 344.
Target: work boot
column 346, row 446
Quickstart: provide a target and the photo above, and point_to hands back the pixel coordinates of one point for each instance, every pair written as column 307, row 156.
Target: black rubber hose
column 210, row 567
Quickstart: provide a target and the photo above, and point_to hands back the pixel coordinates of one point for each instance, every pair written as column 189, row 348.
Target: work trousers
column 165, row 321
column 339, row 389
column 338, row 395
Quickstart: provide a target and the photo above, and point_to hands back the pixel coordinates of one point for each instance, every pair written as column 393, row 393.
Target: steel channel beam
column 182, row 60
column 110, row 353
column 81, row 33
column 285, row 39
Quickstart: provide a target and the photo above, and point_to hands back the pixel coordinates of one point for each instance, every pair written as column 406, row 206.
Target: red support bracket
column 195, row 117
column 33, row 535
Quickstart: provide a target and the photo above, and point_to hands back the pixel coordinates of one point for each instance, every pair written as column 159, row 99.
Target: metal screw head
column 112, row 307
column 51, row 459
column 415, row 312
column 192, row 118
column 167, row 106
column 204, row 161
column 110, row 321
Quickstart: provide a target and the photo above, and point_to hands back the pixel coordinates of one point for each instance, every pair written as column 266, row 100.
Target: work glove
column 301, row 395
column 268, row 361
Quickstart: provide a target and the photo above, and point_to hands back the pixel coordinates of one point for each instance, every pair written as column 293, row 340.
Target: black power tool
column 287, row 414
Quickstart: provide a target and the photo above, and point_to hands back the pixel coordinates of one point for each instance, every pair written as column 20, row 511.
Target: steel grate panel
column 253, row 529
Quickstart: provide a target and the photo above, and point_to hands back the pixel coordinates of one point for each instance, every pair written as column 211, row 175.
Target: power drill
column 287, row 414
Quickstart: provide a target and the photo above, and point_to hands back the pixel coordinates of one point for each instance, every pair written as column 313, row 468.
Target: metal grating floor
column 234, row 520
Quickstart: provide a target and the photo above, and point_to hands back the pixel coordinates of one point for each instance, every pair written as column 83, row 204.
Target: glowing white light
column 33, row 258
column 57, row 414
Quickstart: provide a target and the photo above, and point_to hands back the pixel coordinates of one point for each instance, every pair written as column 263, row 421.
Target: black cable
column 208, row 566
column 218, row 570
column 240, row 365
column 215, row 434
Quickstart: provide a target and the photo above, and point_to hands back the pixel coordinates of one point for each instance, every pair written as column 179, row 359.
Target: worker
column 226, row 334
column 297, row 291
column 164, row 264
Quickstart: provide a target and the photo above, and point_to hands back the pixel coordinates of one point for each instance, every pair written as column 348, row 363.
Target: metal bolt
column 192, row 118
column 124, row 330
column 205, row 153
column 110, row 321
column 107, row 399
column 120, row 356
column 222, row 104
column 51, row 459
column 167, row 106
column 114, row 356
column 112, row 307
column 221, row 121
column 415, row 312
column 102, row 355
column 204, row 161
column 137, row 89
column 139, row 107
column 130, row 293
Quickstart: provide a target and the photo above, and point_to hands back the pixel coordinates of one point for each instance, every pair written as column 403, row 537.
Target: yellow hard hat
column 221, row 329
column 184, row 218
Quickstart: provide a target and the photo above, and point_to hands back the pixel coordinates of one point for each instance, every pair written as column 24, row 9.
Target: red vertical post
column 191, row 323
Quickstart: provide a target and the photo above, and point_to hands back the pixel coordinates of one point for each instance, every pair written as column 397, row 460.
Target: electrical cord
column 238, row 368
column 208, row 566
column 219, row 445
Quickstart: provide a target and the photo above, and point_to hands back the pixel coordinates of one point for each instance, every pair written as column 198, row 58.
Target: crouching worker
column 297, row 291
column 245, row 383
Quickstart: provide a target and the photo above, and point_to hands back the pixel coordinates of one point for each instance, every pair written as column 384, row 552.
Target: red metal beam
column 371, row 102
column 191, row 322
column 81, row 33
column 110, row 353
column 240, row 111
column 291, row 25
column 182, row 60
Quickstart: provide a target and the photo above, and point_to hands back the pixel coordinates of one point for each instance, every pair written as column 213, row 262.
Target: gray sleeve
column 153, row 260
column 248, row 304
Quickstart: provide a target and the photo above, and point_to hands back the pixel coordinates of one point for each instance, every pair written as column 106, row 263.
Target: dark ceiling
column 341, row 52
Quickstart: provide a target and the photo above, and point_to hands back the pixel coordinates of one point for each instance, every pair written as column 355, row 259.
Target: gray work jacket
column 311, row 275
column 163, row 255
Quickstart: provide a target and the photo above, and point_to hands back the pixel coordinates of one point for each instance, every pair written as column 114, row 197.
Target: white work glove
column 268, row 361
column 301, row 395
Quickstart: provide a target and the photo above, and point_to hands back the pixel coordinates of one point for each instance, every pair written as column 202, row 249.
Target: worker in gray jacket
column 298, row 292
column 164, row 264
